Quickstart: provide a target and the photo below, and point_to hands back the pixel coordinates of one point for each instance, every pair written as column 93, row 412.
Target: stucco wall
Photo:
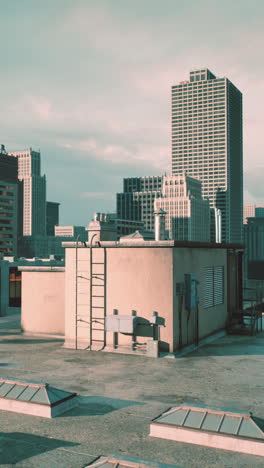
column 211, row 319
column 141, row 280
column 43, row 302
column 136, row 279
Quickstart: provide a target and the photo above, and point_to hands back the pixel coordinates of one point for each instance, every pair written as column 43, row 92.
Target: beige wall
column 136, row 279
column 43, row 302
column 141, row 279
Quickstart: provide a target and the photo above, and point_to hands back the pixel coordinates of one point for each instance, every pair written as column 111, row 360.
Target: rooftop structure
column 138, row 276
column 213, row 427
column 35, row 398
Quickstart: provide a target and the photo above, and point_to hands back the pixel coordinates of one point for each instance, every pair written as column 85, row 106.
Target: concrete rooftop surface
column 120, row 395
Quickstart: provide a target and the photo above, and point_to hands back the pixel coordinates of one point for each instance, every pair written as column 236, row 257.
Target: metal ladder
column 97, row 296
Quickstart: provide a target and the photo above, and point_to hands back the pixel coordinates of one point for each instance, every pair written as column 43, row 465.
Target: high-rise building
column 136, row 202
column 34, row 204
column 10, row 216
column 187, row 214
column 207, row 144
column 52, row 212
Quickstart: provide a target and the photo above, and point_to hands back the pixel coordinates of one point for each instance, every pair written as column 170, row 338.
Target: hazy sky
column 88, row 82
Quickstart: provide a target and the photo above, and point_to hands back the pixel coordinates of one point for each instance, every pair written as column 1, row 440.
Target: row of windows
column 215, row 83
column 189, row 103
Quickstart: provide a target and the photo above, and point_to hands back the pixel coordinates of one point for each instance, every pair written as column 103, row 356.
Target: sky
column 89, row 81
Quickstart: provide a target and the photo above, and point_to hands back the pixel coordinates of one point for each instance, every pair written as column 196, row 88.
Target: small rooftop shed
column 119, row 295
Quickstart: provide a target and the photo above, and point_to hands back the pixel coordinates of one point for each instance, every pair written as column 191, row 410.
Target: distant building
column 187, row 214
column 136, row 202
column 254, row 238
column 11, row 196
column 249, row 211
column 71, row 231
column 259, row 212
column 207, row 144
column 34, row 192
column 52, row 212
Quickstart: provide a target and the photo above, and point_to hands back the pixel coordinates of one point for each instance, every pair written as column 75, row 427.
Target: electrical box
column 191, row 296
column 121, row 324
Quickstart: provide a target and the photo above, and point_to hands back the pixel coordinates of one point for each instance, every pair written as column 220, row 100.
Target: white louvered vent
column 213, row 286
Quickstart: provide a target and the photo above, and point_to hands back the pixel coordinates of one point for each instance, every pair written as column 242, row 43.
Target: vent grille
column 213, row 286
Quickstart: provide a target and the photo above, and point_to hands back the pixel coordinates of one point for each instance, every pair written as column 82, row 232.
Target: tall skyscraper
column 34, row 207
column 207, row 144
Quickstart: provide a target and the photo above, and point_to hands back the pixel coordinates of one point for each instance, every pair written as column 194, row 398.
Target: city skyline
column 98, row 106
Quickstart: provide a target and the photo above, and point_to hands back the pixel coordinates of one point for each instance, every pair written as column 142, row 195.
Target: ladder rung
column 98, row 329
column 97, row 263
column 98, row 341
column 98, row 307
column 99, row 285
column 97, row 274
column 97, row 296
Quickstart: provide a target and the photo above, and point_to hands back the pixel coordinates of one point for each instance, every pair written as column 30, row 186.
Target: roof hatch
column 35, row 398
column 214, row 427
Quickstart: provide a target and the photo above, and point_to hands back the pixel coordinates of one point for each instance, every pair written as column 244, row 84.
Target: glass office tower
column 207, row 145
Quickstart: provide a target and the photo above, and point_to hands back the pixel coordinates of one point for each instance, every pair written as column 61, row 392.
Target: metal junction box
column 121, row 324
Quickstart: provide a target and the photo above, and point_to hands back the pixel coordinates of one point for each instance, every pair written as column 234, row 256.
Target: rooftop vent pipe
column 160, row 224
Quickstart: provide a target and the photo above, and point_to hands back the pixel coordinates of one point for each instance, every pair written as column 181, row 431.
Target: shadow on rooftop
column 7, row 364
column 10, row 332
column 31, row 341
column 240, row 346
column 18, row 446
column 98, row 406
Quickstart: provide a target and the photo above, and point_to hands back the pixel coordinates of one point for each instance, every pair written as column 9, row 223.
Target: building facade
column 10, row 199
column 207, row 144
column 71, row 231
column 52, row 212
column 34, row 192
column 187, row 214
column 136, row 202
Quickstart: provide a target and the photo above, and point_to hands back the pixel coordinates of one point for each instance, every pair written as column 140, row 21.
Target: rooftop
column 119, row 397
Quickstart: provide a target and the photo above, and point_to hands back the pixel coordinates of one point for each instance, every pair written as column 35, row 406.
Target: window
column 14, row 287
column 213, row 293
